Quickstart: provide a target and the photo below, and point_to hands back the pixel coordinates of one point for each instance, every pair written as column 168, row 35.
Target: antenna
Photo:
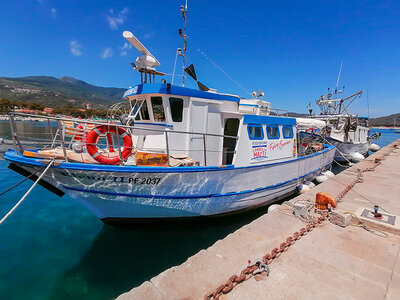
column 183, row 35
column 338, row 78
column 146, row 62
column 176, row 56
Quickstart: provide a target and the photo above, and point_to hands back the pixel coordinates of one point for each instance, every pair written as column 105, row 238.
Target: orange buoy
column 322, row 200
column 93, row 137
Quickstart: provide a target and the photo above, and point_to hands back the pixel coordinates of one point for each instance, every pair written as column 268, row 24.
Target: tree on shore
column 5, row 106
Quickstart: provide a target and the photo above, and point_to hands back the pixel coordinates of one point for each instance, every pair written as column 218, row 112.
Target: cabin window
column 255, row 132
column 176, row 105
column 287, row 132
column 158, row 109
column 143, row 113
column 273, row 132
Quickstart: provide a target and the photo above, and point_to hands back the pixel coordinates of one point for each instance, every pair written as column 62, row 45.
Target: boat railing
column 280, row 112
column 60, row 139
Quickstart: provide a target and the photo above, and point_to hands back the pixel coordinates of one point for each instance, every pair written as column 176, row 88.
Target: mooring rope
column 27, row 193
column 18, row 183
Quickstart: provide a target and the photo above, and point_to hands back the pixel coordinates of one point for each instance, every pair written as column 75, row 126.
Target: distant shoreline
column 385, row 127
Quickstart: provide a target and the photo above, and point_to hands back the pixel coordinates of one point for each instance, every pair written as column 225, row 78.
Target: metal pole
column 204, row 150
column 167, row 147
column 51, row 131
column 62, row 140
column 119, row 145
column 13, row 133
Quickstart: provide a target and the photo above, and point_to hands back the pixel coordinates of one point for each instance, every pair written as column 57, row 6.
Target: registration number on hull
column 131, row 180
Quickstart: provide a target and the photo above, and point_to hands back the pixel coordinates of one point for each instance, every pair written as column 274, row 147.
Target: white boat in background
column 348, row 133
column 178, row 153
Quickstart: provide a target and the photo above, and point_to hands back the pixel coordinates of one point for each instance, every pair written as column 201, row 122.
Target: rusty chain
column 260, row 266
column 359, row 179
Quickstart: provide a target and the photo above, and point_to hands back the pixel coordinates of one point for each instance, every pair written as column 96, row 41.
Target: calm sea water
column 53, row 248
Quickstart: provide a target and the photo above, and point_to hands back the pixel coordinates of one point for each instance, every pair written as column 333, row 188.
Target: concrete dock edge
column 330, row 262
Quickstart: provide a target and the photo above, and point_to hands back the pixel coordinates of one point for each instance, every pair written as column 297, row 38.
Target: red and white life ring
column 93, row 136
column 79, row 136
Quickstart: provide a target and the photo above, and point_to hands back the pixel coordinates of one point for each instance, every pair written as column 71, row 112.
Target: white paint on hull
column 184, row 194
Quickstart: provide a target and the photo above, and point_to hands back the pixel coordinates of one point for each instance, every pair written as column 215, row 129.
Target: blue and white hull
column 133, row 192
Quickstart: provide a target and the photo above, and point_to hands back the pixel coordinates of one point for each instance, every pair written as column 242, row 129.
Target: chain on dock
column 260, row 266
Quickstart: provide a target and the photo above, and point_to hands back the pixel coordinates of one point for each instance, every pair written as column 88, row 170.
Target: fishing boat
column 347, row 132
column 178, row 153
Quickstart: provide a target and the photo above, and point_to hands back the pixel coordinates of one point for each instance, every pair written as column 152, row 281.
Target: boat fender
column 321, row 178
column 310, row 184
column 374, row 147
column 356, row 157
column 328, row 173
column 93, row 137
column 323, row 200
column 272, row 207
column 303, row 188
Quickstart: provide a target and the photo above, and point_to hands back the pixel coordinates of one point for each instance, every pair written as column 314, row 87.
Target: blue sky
column 291, row 50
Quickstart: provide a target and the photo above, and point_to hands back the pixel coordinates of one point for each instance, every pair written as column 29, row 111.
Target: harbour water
column 53, row 248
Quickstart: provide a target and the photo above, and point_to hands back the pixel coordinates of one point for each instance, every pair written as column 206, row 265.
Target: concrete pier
column 330, row 262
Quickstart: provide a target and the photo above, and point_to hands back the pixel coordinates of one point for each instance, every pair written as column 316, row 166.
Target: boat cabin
column 208, row 127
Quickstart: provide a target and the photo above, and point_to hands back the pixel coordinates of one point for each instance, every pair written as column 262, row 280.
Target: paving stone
column 145, row 291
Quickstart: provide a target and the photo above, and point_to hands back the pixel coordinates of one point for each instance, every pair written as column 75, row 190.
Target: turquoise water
column 53, row 248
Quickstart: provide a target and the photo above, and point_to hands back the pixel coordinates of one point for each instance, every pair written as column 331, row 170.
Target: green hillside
column 58, row 92
column 390, row 120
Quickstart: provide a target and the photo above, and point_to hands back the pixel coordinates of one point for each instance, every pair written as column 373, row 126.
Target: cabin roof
column 269, row 120
column 161, row 88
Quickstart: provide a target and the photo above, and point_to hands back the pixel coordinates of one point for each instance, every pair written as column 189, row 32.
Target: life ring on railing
column 79, row 136
column 93, row 136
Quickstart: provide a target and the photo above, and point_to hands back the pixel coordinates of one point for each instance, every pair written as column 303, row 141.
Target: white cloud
column 53, row 12
column 115, row 20
column 75, row 48
column 108, row 52
column 126, row 46
column 124, row 49
column 148, row 35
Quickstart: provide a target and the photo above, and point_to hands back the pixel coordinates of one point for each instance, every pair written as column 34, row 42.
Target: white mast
column 183, row 35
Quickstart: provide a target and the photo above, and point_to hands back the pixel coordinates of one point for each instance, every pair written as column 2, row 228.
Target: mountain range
column 70, row 92
column 58, row 92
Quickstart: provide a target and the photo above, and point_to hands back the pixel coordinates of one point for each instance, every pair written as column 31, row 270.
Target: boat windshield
column 140, row 110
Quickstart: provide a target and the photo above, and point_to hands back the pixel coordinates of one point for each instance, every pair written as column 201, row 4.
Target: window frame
column 170, row 108
column 255, row 125
column 163, row 109
column 283, row 133
column 273, row 126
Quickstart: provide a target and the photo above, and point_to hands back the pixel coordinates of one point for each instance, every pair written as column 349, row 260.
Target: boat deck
column 329, row 262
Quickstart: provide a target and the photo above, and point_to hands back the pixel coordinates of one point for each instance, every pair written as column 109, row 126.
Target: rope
column 17, row 184
column 364, row 226
column 26, row 194
column 341, row 154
